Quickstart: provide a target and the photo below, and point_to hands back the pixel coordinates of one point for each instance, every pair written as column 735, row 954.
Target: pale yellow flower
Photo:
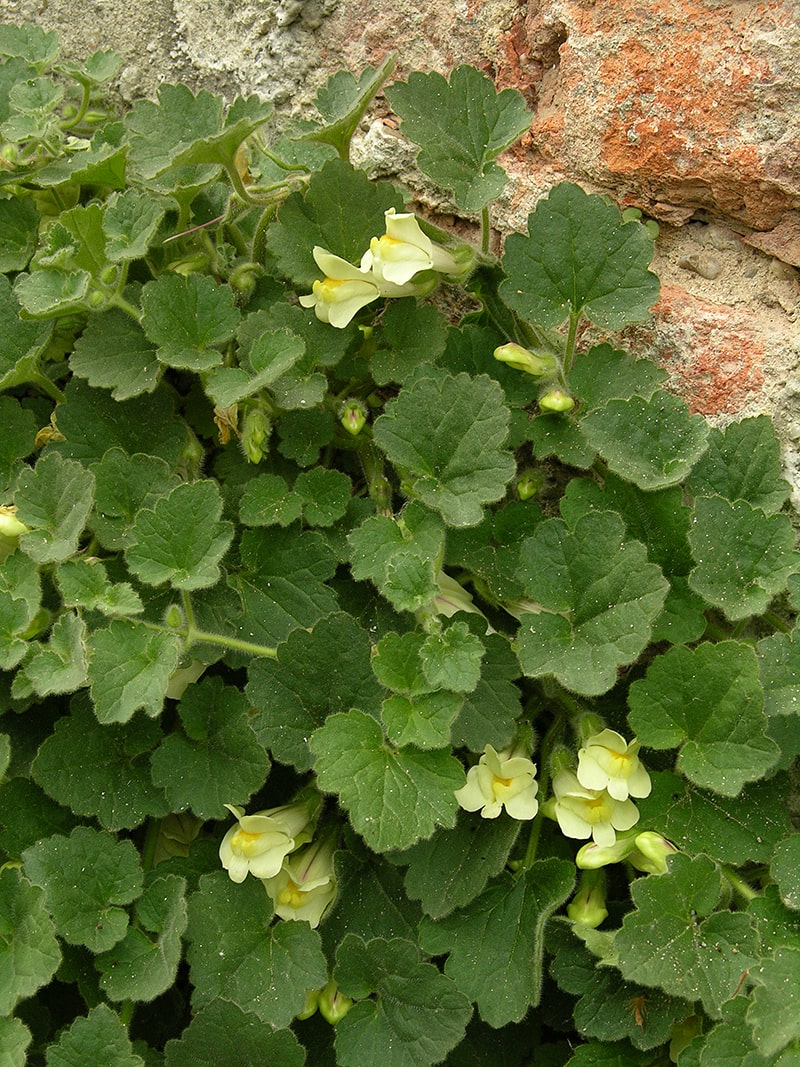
column 501, row 780
column 608, row 761
column 259, row 843
column 584, row 813
column 404, row 251
column 305, row 886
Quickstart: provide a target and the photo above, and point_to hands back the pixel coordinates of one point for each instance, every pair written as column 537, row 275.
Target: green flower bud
column 255, row 435
column 108, row 275
column 333, row 1005
column 556, row 400
column 353, row 416
column 539, row 364
column 311, row 1004
column 591, row 856
column 96, row 299
column 651, row 852
column 529, row 483
column 173, row 617
column 588, row 906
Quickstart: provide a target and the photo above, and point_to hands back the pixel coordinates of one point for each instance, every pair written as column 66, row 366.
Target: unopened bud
column 333, row 1005
column 255, row 435
column 529, row 483
column 591, row 856
column 311, row 1004
column 588, row 906
column 556, row 400
column 353, row 416
column 651, row 852
column 539, row 364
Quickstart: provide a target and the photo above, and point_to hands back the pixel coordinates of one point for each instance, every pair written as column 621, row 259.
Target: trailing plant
column 395, row 671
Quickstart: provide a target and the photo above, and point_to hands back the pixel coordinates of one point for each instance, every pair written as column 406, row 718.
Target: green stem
column 259, row 250
column 548, row 742
column 84, row 104
column 42, row 382
column 741, row 888
column 777, row 622
column 569, row 355
column 117, row 300
column 151, row 844
column 193, row 636
column 486, row 230
column 126, row 1011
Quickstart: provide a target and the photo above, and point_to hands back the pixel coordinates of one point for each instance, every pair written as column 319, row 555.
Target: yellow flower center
column 291, row 895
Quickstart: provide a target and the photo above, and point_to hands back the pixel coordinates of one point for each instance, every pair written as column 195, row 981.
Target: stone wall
column 688, row 109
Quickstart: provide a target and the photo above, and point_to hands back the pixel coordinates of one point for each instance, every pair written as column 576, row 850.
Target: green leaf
column 708, row 701
column 32, row 43
column 113, row 353
column 129, row 668
column 52, row 291
column 677, row 941
column 414, row 335
column 84, row 583
column 452, row 868
column 143, row 965
column 417, row 1014
column 86, row 878
column 325, row 495
column 599, row 597
column 744, row 557
column 722, row 827
column 21, row 342
column 102, row 162
column 773, row 1013
column 93, row 422
column 463, row 126
column 124, row 486
column 54, row 498
column 579, row 259
column 29, row 815
column 660, row 521
column 446, row 434
column 184, row 129
column 181, row 540
column 785, row 869
column 58, row 666
column 341, row 210
column 29, row 952
column 503, row 929
column 207, row 1041
column 235, row 954
column 281, row 584
column 14, row 1040
column 652, row 443
column 267, row 500
column 20, row 597
column 743, row 462
column 130, row 222
column 779, row 668
column 16, row 441
column 19, row 227
column 424, row 720
column 394, row 797
column 292, row 695
column 216, row 759
column 101, row 771
column 451, row 659
column 100, row 1037
column 401, row 556
column 303, row 434
column 273, row 354
column 489, row 713
column 342, row 102
column 189, row 319
column 370, row 901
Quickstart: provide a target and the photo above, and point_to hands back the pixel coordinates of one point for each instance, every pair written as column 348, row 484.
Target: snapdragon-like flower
column 404, row 250
column 259, row 843
column 584, row 813
column 305, row 886
column 500, row 780
column 346, row 289
column 342, row 293
column 608, row 761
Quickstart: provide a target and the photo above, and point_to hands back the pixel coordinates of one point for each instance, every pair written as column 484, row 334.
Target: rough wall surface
column 689, row 109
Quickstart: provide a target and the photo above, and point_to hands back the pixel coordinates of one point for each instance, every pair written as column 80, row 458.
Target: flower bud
column 588, row 906
column 539, row 364
column 333, row 1005
column 529, row 483
column 10, row 530
column 556, row 400
column 353, row 416
column 651, row 852
column 255, row 435
column 590, row 856
column 311, row 1004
